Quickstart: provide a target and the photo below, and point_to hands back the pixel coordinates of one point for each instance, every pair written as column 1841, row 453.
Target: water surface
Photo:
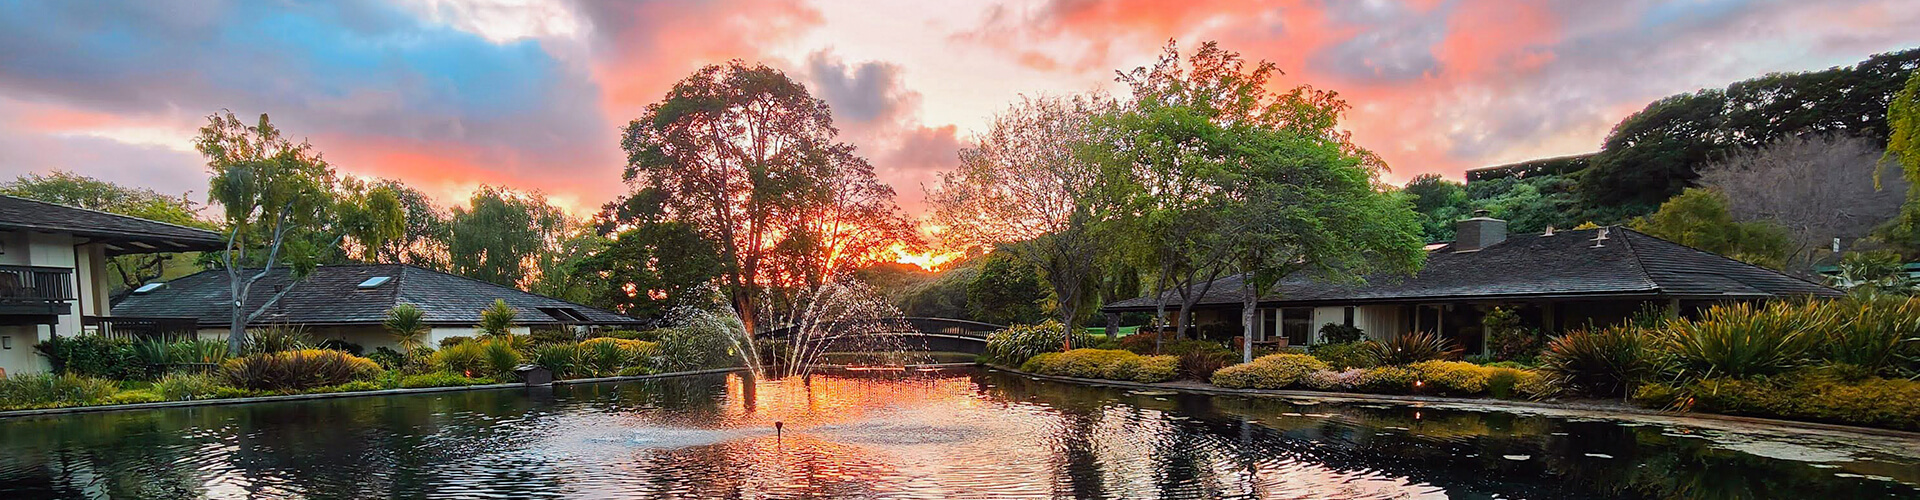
column 951, row 434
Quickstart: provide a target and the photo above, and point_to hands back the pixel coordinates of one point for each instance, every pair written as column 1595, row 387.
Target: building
column 53, row 272
column 349, row 303
column 1555, row 281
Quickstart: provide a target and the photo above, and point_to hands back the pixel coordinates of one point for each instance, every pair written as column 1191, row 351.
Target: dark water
column 956, row 434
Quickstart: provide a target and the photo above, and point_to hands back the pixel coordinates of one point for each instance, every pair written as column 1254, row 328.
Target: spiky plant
column 497, row 320
column 1875, row 334
column 1412, row 347
column 1741, row 340
column 1598, row 362
column 408, row 326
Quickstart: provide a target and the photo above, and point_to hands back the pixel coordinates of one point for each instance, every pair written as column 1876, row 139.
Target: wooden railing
column 140, row 328
column 29, row 284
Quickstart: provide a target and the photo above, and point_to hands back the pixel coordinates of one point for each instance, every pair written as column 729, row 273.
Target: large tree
column 746, row 156
column 1903, row 147
column 76, row 190
column 423, row 242
column 284, row 207
column 1026, row 183
column 1818, row 187
column 1439, row 202
column 501, row 235
column 1699, row 218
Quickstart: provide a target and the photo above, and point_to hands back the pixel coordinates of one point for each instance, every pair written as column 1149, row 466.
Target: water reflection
column 963, row 434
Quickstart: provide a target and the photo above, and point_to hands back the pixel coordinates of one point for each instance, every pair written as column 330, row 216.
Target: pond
column 965, row 433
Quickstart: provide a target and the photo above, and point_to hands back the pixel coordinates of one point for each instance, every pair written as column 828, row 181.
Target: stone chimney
column 1479, row 232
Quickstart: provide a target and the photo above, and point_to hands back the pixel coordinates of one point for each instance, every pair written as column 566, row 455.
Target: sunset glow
column 931, row 260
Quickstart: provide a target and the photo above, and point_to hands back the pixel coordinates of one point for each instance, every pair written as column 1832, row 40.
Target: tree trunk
column 1247, row 303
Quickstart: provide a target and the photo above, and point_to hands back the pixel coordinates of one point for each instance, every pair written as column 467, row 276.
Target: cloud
column 863, row 93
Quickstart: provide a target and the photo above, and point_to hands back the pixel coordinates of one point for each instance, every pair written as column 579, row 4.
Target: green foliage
column 605, row 356
column 1741, row 340
column 1876, row 402
column 1336, row 333
column 562, row 359
column 408, row 326
column 441, row 379
column 1006, row 291
column 1439, row 202
column 496, row 321
column 188, row 386
column 1454, row 378
column 1509, row 340
column 669, row 258
column 454, row 341
column 1880, row 335
column 1699, row 218
column 1655, row 153
column 1387, row 380
column 552, row 335
column 1903, row 146
column 466, row 358
column 496, row 237
column 1018, row 343
column 277, row 338
column 1275, row 371
column 1877, row 272
column 1104, row 364
column 342, row 346
column 1201, row 365
column 200, row 351
column 45, row 390
column 1344, row 355
column 134, row 397
column 1605, row 362
column 1411, row 347
column 128, row 271
column 92, row 356
column 297, row 370
column 501, row 359
column 698, row 346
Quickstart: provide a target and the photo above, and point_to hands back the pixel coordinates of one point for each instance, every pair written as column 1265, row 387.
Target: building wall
column 26, row 248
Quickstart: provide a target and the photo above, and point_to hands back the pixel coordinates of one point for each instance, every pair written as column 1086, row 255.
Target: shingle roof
column 331, row 295
column 32, row 215
column 1565, row 264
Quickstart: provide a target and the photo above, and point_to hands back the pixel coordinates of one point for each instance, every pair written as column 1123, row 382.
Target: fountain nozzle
column 777, row 428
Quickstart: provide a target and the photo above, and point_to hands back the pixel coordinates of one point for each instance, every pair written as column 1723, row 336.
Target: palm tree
column 496, row 321
column 408, row 326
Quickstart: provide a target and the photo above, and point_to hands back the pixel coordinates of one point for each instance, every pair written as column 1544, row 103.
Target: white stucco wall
column 24, row 248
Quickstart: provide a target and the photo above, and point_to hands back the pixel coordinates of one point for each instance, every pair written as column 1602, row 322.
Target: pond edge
column 328, row 395
column 1622, row 412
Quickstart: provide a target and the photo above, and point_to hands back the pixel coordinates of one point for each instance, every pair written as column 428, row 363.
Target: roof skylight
column 149, row 287
column 374, row 282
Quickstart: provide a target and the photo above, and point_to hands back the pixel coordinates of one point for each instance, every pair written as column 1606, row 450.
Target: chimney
column 1479, row 232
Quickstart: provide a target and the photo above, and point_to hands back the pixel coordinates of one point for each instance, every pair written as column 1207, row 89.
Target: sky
column 448, row 95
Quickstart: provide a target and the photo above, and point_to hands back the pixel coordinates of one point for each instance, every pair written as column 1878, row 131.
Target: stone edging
column 346, row 394
column 1490, row 403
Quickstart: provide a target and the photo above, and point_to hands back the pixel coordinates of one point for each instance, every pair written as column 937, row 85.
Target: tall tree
column 1817, row 187
column 1699, row 218
column 1006, row 291
column 1024, row 182
column 1439, row 202
column 281, row 209
column 501, row 234
column 423, row 241
column 745, row 155
column 1653, row 154
column 76, row 190
column 1903, row 146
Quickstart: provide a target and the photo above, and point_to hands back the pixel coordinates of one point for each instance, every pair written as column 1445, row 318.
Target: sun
column 930, row 260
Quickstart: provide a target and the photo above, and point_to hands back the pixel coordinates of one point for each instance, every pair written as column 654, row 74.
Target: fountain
column 840, row 315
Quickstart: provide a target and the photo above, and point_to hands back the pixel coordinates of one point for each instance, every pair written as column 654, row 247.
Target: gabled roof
column 123, row 234
column 1567, row 264
column 334, row 295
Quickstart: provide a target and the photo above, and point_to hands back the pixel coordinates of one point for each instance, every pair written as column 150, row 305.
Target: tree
column 496, row 321
column 407, row 324
column 1300, row 203
column 280, row 203
column 746, row 156
column 1006, row 291
column 1817, row 187
column 1439, row 202
column 500, row 235
column 1903, row 146
column 426, row 230
column 651, row 268
column 67, row 188
column 1024, row 182
column 1699, row 218
column 1653, row 154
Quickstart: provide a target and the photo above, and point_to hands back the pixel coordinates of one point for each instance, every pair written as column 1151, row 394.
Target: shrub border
column 329, row 395
column 1622, row 412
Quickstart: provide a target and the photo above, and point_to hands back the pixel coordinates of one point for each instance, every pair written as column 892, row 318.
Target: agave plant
column 408, row 326
column 1412, row 347
column 1598, row 362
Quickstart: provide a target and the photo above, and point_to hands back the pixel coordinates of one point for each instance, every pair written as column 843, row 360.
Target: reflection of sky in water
column 959, row 434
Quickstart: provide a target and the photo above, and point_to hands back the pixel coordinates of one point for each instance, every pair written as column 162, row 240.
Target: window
column 374, row 282
column 1269, row 324
column 1296, row 323
column 144, row 289
column 1349, row 315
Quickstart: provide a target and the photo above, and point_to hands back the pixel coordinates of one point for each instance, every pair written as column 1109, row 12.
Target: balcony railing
column 140, row 328
column 32, row 284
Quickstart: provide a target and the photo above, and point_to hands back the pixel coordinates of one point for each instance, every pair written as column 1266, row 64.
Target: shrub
column 649, row 335
column 467, row 358
column 92, row 356
column 1502, row 382
column 635, row 371
column 1387, row 380
column 1508, row 340
column 134, row 397
column 497, row 320
column 1599, row 363
column 388, row 358
column 454, row 341
column 184, row 386
column 1202, row 364
column 1411, row 347
column 1018, row 343
column 297, row 370
column 441, row 379
column 501, row 359
column 407, row 325
column 1889, row 403
column 1741, row 341
column 277, row 338
column 701, row 343
column 342, row 346
column 1877, row 334
column 1104, row 364
column 1329, row 380
column 1143, row 343
column 549, row 336
column 46, row 390
column 154, row 356
column 1341, row 356
column 560, row 358
column 200, row 351
column 603, row 356
column 1453, row 378
column 1336, row 333
column 1274, row 371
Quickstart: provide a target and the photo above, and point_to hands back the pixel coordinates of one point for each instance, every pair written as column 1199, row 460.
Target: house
column 1555, row 281
column 54, row 278
column 349, row 303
